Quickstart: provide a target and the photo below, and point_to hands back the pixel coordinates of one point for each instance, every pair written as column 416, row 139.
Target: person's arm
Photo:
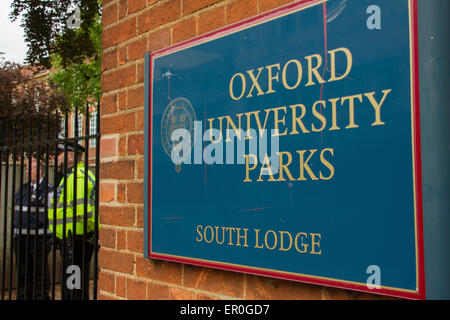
column 50, row 197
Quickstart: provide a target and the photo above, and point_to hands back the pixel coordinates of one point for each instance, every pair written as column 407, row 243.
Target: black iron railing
column 29, row 150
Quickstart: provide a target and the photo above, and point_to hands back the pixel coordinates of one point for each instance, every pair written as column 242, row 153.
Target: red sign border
column 420, row 292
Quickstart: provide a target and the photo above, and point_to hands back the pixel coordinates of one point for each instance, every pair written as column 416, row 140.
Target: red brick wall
column 132, row 27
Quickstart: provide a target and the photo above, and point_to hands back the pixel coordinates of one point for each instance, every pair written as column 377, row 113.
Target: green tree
column 80, row 82
column 28, row 107
column 74, row 52
column 46, row 30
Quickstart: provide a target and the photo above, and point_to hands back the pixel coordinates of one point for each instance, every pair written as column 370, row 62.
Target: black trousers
column 32, row 267
column 75, row 283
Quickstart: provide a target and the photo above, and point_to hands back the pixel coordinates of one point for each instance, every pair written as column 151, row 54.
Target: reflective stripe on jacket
column 29, row 210
column 83, row 199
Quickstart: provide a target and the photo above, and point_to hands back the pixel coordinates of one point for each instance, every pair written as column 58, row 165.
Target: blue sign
column 287, row 146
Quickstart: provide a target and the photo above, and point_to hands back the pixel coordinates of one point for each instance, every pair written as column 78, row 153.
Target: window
column 62, row 132
column 80, row 125
column 93, row 129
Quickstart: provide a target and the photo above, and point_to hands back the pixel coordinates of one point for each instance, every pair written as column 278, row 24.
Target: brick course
column 131, row 27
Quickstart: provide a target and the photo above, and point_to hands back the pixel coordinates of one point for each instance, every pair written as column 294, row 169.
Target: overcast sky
column 11, row 35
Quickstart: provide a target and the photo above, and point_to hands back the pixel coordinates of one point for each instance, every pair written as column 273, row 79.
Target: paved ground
column 57, row 292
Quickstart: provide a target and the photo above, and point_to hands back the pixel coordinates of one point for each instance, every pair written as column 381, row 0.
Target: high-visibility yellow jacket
column 83, row 199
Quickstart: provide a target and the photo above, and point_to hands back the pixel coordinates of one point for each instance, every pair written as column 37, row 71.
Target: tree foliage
column 28, row 108
column 80, row 82
column 46, row 31
column 28, row 111
column 75, row 53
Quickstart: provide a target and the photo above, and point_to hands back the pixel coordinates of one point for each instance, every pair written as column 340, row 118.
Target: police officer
column 31, row 241
column 70, row 203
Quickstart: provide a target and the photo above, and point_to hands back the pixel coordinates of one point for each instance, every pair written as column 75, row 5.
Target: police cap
column 70, row 147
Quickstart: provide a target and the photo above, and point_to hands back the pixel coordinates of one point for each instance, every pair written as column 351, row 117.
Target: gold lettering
column 200, row 237
column 212, row 234
column 333, row 114
column 257, row 245
column 247, row 167
column 266, row 166
column 313, row 70
column 230, row 243
column 258, row 121
column 211, row 129
column 231, row 86
column 299, row 77
column 236, row 130
column 327, row 164
column 348, row 55
column 275, row 241
column 284, row 166
column 277, row 120
column 298, row 120
column 318, row 116
column 255, row 82
column 241, row 237
column 269, row 69
column 248, row 115
column 304, row 246
column 351, row 110
column 217, row 235
column 314, row 243
column 377, row 106
column 304, row 165
column 282, row 248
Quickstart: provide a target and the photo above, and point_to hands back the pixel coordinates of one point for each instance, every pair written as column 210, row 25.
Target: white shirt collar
column 33, row 186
